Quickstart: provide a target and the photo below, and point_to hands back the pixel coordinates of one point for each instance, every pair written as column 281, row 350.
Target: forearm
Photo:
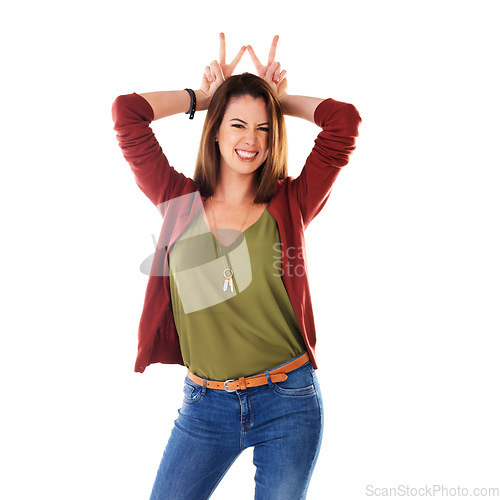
column 171, row 102
column 300, row 106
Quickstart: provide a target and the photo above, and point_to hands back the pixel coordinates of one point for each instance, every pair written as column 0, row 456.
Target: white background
column 403, row 259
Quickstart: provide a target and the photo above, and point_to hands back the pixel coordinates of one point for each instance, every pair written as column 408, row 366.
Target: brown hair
column 206, row 173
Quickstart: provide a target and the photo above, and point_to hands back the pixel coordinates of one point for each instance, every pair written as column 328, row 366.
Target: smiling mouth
column 246, row 155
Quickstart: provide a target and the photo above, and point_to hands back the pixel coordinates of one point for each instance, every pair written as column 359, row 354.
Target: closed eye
column 238, row 125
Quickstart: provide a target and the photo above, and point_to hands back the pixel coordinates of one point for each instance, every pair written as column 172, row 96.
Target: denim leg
column 203, row 444
column 286, row 447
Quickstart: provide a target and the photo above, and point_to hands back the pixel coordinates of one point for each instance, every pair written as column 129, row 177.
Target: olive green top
column 231, row 334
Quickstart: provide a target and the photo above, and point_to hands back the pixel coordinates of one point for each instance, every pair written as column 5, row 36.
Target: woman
column 228, row 295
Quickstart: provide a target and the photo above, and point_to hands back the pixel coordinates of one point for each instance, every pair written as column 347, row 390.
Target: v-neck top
column 227, row 334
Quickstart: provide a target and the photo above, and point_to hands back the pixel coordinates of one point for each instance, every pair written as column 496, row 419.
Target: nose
column 251, row 137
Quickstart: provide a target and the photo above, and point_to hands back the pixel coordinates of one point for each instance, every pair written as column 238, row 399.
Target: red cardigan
column 295, row 203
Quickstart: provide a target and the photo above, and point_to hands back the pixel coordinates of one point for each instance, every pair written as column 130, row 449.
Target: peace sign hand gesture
column 227, row 69
column 218, row 71
column 271, row 73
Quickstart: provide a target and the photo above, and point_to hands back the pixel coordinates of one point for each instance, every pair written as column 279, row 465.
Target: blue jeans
column 282, row 421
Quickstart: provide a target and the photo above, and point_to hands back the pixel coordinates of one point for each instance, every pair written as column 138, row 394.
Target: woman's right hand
column 218, row 71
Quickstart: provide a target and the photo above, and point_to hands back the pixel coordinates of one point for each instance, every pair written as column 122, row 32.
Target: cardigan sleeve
column 336, row 141
column 157, row 179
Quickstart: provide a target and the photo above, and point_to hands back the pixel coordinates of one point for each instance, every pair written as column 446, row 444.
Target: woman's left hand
column 271, row 73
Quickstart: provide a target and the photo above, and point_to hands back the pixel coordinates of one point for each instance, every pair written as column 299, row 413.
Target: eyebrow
column 239, row 120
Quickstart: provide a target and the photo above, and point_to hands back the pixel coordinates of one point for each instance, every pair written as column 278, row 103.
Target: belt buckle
column 225, row 385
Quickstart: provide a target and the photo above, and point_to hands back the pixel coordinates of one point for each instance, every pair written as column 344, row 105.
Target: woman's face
column 243, row 135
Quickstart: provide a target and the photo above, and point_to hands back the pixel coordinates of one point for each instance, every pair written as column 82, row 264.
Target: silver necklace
column 228, row 272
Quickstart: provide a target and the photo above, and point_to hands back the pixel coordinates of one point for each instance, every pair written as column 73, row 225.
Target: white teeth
column 245, row 154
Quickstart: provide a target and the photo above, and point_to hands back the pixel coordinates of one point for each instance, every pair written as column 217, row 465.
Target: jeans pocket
column 192, row 393
column 300, row 382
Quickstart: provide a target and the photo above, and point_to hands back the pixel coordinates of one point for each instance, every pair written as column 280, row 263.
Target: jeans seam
column 300, row 392
column 290, row 393
column 249, row 424
column 318, row 445
column 196, row 399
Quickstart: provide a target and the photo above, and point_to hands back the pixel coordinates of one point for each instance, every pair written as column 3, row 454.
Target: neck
column 236, row 189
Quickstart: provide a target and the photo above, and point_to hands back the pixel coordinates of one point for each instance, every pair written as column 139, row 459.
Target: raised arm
column 157, row 179
column 339, row 122
column 333, row 146
column 132, row 115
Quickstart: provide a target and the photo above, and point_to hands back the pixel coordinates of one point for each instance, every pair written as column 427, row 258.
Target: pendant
column 228, row 275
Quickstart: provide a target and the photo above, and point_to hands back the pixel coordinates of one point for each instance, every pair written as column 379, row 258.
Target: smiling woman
column 236, row 311
column 244, row 133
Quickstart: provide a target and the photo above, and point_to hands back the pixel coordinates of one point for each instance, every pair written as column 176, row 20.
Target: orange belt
column 232, row 385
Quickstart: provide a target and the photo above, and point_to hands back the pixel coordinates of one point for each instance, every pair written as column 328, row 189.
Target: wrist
column 300, row 106
column 202, row 100
column 284, row 101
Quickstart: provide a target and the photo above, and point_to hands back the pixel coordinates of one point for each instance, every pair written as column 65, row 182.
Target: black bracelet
column 192, row 107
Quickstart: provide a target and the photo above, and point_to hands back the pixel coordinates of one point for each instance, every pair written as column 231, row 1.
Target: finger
column 222, row 48
column 217, row 71
column 208, row 74
column 277, row 72
column 282, row 75
column 254, row 57
column 272, row 52
column 238, row 57
column 270, row 72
